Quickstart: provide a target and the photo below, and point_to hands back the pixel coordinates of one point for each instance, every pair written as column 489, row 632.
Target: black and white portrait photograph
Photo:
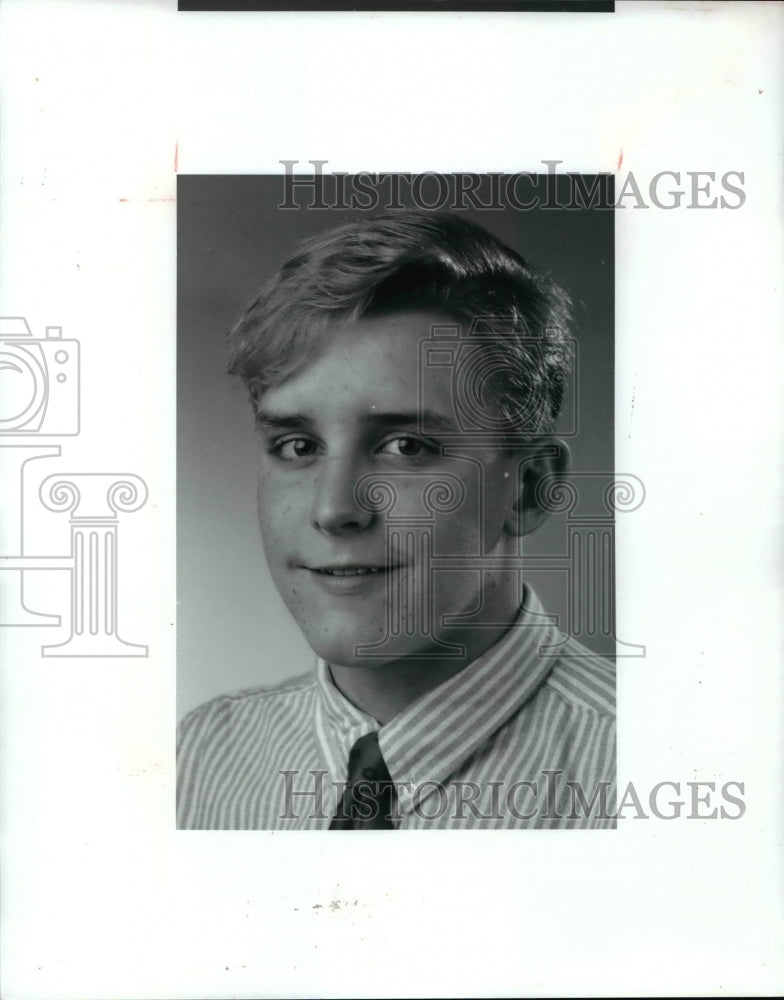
column 406, row 374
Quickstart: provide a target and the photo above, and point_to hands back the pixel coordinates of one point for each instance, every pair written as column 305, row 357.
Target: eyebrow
column 411, row 418
column 287, row 421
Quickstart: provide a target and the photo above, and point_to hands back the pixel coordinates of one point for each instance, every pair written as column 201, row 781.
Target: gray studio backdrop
column 233, row 630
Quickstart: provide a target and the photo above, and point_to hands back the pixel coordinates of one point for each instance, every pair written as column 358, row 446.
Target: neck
column 386, row 689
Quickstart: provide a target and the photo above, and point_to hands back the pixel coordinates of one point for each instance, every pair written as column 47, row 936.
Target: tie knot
column 367, row 801
column 366, row 756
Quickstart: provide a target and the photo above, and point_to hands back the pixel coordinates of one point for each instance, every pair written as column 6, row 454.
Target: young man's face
column 349, row 554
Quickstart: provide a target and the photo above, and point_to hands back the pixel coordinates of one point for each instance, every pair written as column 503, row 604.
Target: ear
column 550, row 460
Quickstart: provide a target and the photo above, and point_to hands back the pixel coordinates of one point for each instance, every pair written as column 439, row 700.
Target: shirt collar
column 432, row 737
column 339, row 724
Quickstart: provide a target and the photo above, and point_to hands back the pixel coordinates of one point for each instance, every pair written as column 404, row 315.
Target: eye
column 407, row 447
column 294, row 448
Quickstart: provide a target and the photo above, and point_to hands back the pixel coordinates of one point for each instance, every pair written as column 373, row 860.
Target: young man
column 406, row 373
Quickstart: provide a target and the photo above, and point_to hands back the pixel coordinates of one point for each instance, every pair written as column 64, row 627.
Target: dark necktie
column 367, row 801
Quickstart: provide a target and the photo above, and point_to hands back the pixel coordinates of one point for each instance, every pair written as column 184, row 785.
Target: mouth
column 338, row 571
column 355, row 579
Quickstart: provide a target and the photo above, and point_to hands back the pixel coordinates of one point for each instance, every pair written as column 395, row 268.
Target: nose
column 336, row 508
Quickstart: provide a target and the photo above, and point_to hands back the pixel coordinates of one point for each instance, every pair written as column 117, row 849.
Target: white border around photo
column 102, row 104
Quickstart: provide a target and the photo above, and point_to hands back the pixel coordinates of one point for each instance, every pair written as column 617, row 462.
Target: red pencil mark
column 620, row 161
column 176, row 155
column 123, row 199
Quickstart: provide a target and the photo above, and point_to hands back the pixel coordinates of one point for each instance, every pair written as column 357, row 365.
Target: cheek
column 458, row 532
column 498, row 508
column 475, row 527
column 277, row 514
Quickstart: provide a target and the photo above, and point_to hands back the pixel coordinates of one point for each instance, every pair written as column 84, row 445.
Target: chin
column 337, row 651
column 338, row 646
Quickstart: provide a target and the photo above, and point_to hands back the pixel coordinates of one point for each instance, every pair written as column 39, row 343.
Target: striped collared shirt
column 524, row 737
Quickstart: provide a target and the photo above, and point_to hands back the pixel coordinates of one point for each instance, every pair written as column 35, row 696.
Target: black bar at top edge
column 512, row 6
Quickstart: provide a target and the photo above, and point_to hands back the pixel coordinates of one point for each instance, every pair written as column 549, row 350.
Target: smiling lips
column 348, row 570
column 346, row 580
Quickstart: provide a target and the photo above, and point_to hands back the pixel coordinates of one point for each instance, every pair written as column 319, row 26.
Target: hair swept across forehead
column 410, row 260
